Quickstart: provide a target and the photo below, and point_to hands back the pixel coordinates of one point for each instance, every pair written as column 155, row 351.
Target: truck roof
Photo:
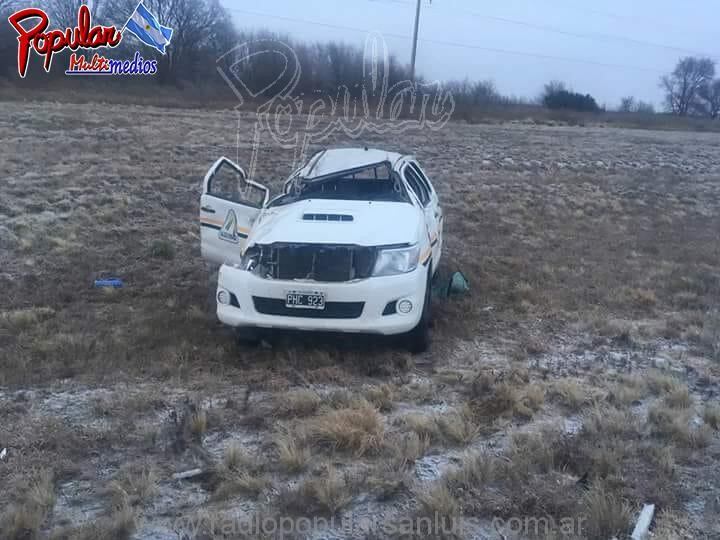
column 335, row 160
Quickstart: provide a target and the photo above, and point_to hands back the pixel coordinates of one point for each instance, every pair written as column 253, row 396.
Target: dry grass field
column 576, row 381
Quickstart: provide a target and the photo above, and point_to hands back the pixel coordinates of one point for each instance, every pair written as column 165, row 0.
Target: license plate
column 305, row 300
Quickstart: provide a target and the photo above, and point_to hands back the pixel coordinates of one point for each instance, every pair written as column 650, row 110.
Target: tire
column 418, row 339
column 246, row 336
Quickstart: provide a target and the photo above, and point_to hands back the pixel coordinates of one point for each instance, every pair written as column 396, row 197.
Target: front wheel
column 418, row 339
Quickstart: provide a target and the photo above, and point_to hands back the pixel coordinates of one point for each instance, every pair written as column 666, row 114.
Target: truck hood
column 321, row 221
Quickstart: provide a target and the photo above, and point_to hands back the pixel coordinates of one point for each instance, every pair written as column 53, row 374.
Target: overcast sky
column 639, row 40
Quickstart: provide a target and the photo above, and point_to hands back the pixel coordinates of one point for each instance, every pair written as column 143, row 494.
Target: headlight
column 249, row 259
column 390, row 262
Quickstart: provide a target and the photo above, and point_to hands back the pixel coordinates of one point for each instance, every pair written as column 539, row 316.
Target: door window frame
column 424, row 196
column 423, row 178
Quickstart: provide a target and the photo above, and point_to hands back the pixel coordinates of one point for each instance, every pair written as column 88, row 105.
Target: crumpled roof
column 336, row 160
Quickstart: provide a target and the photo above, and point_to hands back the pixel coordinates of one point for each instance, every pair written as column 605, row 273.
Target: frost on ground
column 577, row 380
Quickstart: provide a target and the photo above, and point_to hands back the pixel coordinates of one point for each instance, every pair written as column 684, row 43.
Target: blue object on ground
column 115, row 283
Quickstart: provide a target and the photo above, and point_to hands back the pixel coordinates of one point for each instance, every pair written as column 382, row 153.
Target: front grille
column 333, row 310
column 318, row 262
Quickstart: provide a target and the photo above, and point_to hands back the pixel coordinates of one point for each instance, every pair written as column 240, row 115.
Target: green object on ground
column 456, row 285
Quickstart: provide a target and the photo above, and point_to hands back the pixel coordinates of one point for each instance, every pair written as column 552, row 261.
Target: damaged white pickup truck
column 350, row 246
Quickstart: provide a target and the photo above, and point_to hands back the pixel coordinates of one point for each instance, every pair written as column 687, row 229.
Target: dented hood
column 321, row 221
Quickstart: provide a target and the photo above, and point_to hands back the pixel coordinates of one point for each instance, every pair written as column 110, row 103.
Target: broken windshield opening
column 371, row 183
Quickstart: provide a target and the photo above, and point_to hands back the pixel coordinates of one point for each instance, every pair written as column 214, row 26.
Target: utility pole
column 415, row 40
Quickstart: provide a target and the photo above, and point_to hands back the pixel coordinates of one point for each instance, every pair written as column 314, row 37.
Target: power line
column 454, row 44
column 591, row 36
column 574, row 6
column 560, row 31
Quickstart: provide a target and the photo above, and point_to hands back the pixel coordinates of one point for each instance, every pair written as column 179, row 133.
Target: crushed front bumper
column 355, row 306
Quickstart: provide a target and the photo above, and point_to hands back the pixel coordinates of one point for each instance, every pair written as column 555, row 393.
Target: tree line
column 203, row 33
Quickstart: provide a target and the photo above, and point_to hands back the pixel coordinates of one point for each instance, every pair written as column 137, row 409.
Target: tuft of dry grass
column 198, row 424
column 420, row 392
column 404, row 449
column 505, row 394
column 134, row 485
column 423, row 426
column 326, row 494
column 458, row 427
column 605, row 422
column 331, row 492
column 437, row 502
column 163, row 249
column 679, row 398
column 296, row 403
column 637, row 298
column 25, row 518
column 710, row 333
column 711, row 415
column 246, row 482
column 389, row 477
column 606, row 514
column 670, row 525
column 475, row 471
column 120, row 524
column 532, row 399
column 570, row 394
column 341, row 399
column 293, row 454
column 381, row 396
column 454, row 426
column 235, row 457
column 676, row 425
column 359, row 429
column 20, row 319
column 663, row 458
column 533, row 452
column 660, row 382
column 533, row 346
column 238, row 473
column 628, row 390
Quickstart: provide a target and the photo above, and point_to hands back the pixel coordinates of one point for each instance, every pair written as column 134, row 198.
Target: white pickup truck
column 350, row 246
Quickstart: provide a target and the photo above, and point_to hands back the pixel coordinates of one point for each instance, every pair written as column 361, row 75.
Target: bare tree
column 199, row 26
column 552, row 88
column 64, row 13
column 710, row 96
column 8, row 43
column 627, row 104
column 631, row 105
column 6, row 6
column 683, row 85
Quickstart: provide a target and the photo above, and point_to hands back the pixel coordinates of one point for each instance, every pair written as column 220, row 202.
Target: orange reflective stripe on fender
column 215, row 223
